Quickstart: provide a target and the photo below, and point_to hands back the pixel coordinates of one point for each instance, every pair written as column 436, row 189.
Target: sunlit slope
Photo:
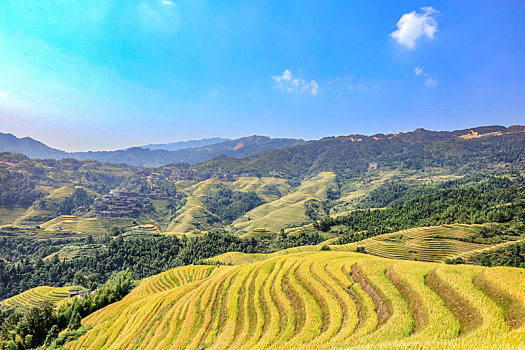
column 286, row 210
column 35, row 296
column 321, row 300
column 194, row 215
column 431, row 244
column 172, row 279
column 72, row 223
column 434, row 244
column 264, row 186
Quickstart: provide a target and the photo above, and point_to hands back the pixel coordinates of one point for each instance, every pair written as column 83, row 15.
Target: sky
column 109, row 74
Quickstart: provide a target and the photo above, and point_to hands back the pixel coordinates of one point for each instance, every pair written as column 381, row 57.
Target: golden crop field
column 317, row 300
column 286, row 210
column 434, row 243
column 35, row 296
column 430, row 244
column 72, row 223
column 194, row 216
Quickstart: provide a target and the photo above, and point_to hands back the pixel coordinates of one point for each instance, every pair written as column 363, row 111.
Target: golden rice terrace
column 317, row 300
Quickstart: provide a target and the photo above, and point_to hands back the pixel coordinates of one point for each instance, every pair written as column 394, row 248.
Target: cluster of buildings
column 156, row 191
column 79, row 293
column 121, row 203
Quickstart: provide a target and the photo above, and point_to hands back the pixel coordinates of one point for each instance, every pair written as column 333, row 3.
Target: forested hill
column 350, row 156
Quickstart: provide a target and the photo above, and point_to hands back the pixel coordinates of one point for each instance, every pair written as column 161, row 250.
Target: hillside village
column 126, row 201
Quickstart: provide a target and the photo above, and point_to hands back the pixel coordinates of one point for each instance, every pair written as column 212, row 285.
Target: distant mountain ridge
column 141, row 156
column 28, row 146
column 175, row 146
column 353, row 154
column 278, row 156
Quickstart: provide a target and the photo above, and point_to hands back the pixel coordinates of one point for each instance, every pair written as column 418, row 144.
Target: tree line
column 144, row 255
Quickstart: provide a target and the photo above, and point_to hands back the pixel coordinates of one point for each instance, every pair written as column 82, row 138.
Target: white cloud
column 166, row 2
column 3, row 94
column 430, row 78
column 431, row 82
column 414, row 25
column 286, row 82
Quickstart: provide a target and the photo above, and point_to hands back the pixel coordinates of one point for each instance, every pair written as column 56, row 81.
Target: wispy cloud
column 430, row 79
column 351, row 85
column 286, row 82
column 162, row 15
column 166, row 3
column 3, row 94
column 431, row 82
column 414, row 25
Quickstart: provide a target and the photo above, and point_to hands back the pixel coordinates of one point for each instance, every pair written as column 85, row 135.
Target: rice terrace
column 182, row 174
column 318, row 300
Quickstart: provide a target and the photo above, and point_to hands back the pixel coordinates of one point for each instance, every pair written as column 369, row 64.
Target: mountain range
column 262, row 155
column 175, row 146
column 194, row 151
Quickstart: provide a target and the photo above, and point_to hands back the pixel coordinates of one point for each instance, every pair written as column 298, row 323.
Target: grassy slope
column 317, row 300
column 22, row 216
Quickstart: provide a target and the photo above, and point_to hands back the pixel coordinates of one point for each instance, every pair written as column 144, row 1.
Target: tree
column 75, row 321
column 38, row 320
column 79, row 278
column 28, row 342
column 52, row 335
column 89, row 239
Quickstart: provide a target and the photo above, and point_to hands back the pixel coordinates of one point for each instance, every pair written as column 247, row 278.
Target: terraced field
column 35, row 296
column 72, row 223
column 286, row 210
column 62, row 192
column 435, row 243
column 319, row 300
column 194, row 216
column 172, row 279
column 11, row 215
column 431, row 244
column 71, row 251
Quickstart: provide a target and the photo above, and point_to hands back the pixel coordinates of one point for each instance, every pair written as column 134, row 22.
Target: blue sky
column 107, row 74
